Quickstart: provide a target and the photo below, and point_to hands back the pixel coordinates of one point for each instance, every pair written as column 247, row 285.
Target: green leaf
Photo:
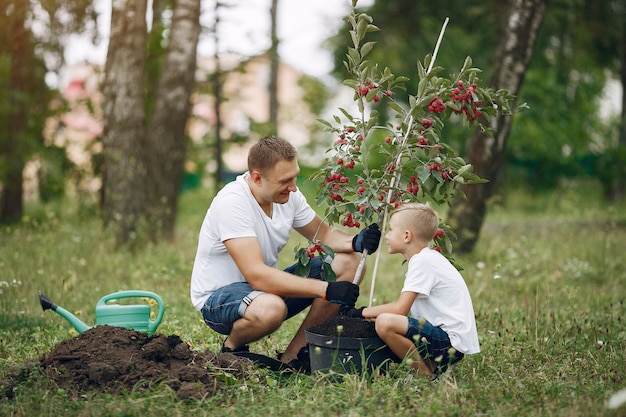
column 395, row 106
column 324, row 122
column 421, row 87
column 366, row 48
column 464, row 169
column 302, row 270
column 361, row 29
column 329, row 274
column 354, row 56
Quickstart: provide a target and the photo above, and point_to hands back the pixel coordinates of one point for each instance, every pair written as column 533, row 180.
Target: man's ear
column 408, row 236
column 255, row 177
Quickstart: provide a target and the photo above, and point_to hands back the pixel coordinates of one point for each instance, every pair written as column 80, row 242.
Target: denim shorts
column 229, row 303
column 432, row 343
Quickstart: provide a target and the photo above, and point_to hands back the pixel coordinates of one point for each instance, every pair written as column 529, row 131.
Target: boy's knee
column 384, row 323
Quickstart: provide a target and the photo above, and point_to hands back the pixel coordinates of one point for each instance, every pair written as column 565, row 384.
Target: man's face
column 280, row 181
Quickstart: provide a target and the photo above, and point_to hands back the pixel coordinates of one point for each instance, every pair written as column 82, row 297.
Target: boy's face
column 396, row 235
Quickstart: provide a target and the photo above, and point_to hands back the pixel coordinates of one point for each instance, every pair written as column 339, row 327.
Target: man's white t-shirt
column 443, row 298
column 234, row 213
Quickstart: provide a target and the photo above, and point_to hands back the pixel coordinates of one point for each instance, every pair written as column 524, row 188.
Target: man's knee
column 345, row 266
column 268, row 309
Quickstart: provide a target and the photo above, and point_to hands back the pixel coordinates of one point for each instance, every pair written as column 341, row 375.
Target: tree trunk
column 144, row 160
column 512, row 57
column 618, row 187
column 217, row 93
column 125, row 175
column 166, row 136
column 274, row 68
column 14, row 124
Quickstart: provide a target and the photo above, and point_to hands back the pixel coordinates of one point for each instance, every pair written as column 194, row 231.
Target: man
column 235, row 282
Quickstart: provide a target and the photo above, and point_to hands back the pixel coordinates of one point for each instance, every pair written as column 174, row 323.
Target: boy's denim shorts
column 229, row 303
column 432, row 343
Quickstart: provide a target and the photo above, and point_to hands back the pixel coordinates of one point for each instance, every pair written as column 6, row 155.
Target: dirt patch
column 350, row 327
column 114, row 360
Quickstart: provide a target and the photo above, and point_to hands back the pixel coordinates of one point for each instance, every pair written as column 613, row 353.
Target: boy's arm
column 401, row 306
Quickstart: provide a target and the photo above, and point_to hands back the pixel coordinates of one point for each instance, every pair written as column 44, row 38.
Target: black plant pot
column 346, row 351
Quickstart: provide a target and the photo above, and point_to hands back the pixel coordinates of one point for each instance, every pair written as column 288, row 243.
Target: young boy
column 441, row 329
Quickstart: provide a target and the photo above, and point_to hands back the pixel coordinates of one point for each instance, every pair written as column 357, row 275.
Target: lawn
column 547, row 279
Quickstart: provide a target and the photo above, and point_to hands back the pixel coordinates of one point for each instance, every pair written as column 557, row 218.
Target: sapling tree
column 372, row 168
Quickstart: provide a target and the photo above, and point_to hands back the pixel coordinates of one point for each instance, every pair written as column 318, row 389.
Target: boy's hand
column 348, row 311
column 367, row 238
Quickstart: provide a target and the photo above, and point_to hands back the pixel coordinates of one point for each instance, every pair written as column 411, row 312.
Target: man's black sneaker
column 303, row 362
column 244, row 348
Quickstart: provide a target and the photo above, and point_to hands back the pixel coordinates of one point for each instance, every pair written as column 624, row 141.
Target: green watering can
column 134, row 316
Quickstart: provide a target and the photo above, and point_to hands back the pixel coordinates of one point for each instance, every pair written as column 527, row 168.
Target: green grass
column 547, row 278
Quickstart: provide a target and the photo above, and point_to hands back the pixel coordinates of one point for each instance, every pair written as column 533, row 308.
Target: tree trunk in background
column 217, row 92
column 513, row 54
column 125, row 175
column 166, row 135
column 144, row 159
column 616, row 193
column 16, row 46
column 274, row 68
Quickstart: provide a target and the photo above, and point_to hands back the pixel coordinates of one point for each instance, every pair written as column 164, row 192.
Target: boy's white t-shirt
column 442, row 298
column 234, row 213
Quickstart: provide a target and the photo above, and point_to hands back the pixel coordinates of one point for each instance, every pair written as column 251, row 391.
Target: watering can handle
column 153, row 324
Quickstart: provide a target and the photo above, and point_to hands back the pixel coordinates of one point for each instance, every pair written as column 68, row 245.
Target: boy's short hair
column 268, row 151
column 419, row 218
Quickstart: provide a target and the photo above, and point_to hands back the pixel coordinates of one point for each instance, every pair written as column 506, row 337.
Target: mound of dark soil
column 114, row 360
column 350, row 327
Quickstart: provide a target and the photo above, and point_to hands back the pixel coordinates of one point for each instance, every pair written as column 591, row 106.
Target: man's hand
column 367, row 238
column 348, row 311
column 342, row 292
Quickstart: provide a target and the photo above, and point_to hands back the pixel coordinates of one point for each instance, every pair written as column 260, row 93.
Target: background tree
column 26, row 57
column 145, row 148
column 518, row 34
column 274, row 68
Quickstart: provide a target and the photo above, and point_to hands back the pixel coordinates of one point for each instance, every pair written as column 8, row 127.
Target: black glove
column 367, row 238
column 342, row 292
column 348, row 311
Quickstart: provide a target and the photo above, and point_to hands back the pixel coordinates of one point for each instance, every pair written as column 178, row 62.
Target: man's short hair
column 268, row 151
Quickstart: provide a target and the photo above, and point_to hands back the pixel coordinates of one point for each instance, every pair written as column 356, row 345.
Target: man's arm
column 247, row 254
column 338, row 240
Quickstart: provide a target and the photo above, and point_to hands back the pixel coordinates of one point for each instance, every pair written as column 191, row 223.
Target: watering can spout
column 46, row 304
